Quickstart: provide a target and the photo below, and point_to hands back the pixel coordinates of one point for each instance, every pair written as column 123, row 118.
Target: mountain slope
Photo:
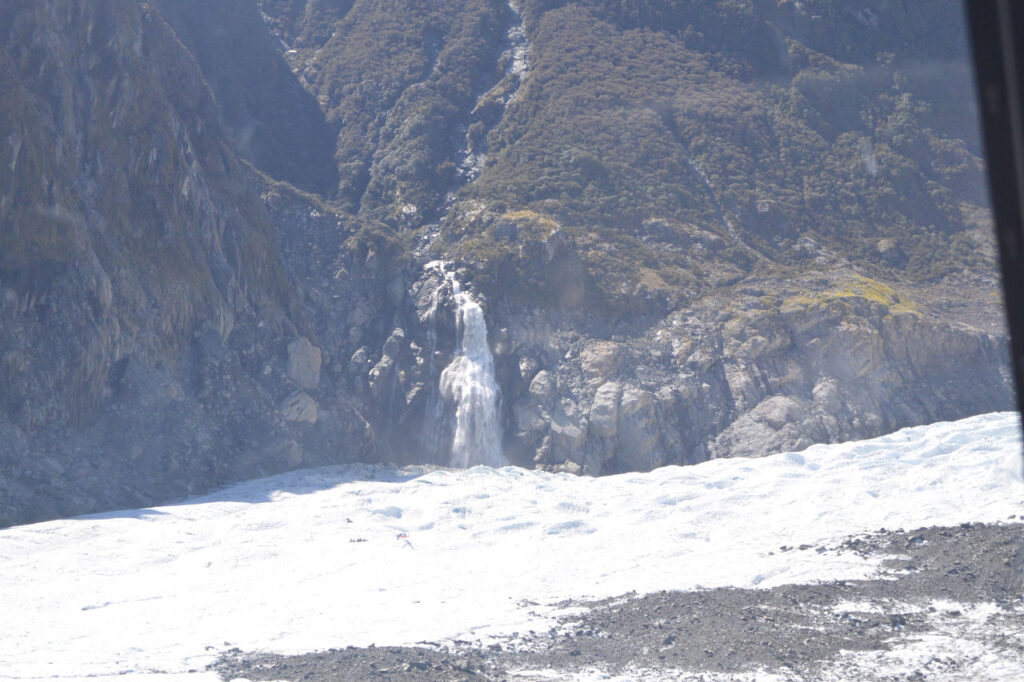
column 765, row 224
column 272, row 121
column 141, row 284
column 698, row 229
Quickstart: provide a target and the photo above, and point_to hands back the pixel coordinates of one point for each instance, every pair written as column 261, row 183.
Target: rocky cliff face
column 271, row 120
column 761, row 373
column 145, row 310
column 698, row 230
column 703, row 230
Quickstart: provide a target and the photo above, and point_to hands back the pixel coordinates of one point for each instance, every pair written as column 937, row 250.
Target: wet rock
column 502, row 342
column 529, row 419
column 528, row 368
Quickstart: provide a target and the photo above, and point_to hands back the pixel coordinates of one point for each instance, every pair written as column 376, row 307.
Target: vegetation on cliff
column 785, row 130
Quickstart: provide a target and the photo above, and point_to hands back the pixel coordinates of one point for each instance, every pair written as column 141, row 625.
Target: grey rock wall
column 146, row 312
column 763, row 380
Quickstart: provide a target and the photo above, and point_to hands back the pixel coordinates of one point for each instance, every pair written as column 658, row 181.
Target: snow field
column 361, row 554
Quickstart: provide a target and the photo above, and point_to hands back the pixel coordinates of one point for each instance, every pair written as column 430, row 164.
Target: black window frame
column 996, row 30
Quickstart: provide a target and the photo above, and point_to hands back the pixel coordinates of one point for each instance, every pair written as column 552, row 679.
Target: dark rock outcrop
column 272, row 121
column 146, row 312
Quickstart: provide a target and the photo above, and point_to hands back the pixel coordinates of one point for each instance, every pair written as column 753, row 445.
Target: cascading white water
column 469, row 379
column 469, row 382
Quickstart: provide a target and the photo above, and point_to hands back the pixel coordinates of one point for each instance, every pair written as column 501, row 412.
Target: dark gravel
column 793, row 631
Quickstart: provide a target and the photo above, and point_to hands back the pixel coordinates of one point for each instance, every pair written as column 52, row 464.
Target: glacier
column 361, row 554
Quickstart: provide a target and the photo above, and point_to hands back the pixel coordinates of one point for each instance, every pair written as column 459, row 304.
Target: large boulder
column 568, row 432
column 304, row 363
column 300, row 407
column 381, row 378
column 638, row 431
column 543, row 387
column 604, row 411
column 599, row 360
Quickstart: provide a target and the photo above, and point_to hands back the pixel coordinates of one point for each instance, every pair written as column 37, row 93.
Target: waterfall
column 520, row 46
column 469, row 382
column 730, row 228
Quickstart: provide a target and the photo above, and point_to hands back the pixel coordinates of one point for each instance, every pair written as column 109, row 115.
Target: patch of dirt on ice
column 936, row 586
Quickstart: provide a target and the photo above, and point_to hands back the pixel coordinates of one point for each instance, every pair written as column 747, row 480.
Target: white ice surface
column 968, row 647
column 317, row 559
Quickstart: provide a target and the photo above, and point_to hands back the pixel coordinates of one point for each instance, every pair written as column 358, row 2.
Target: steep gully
column 513, row 60
column 514, row 56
